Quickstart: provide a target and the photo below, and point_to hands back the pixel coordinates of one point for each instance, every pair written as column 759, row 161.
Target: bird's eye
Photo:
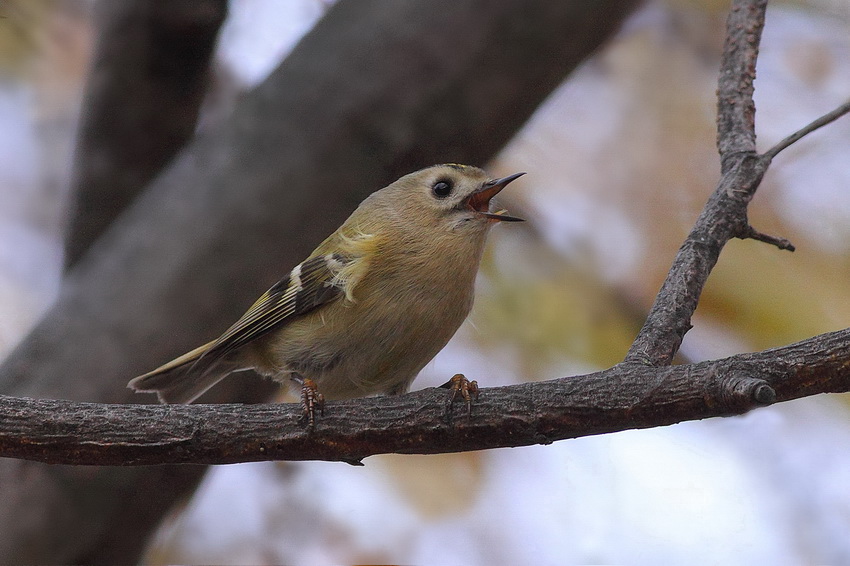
column 442, row 188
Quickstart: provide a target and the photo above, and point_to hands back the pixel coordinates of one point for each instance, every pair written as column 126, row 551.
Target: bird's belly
column 357, row 354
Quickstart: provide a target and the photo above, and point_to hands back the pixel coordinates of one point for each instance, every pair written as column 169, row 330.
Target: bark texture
column 626, row 396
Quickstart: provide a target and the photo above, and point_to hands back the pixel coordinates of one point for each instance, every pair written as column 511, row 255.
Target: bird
column 369, row 307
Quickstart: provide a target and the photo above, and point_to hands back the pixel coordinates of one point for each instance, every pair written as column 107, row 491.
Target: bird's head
column 448, row 197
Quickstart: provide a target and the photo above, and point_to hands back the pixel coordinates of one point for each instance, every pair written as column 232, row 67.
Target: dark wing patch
column 309, row 285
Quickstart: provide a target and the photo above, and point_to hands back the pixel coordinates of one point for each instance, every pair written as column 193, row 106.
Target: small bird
column 370, row 306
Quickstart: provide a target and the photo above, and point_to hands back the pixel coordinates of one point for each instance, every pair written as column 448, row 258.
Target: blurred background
column 620, row 159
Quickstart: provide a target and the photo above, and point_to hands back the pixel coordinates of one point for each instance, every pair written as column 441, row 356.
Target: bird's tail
column 182, row 380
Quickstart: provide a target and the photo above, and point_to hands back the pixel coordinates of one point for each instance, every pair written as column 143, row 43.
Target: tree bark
column 377, row 89
column 626, row 396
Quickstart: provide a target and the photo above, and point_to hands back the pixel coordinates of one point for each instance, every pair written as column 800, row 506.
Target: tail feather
column 181, row 380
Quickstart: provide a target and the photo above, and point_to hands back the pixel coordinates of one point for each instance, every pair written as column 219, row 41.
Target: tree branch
column 627, row 396
column 638, row 393
column 736, row 110
column 799, row 134
column 612, row 400
column 753, row 234
column 725, row 214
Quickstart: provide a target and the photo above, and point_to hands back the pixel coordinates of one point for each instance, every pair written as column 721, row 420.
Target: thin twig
column 753, row 234
column 820, row 122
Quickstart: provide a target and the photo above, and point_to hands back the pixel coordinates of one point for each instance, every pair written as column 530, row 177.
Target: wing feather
column 309, row 285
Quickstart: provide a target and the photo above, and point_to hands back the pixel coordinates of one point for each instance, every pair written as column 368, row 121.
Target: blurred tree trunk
column 145, row 88
column 377, row 89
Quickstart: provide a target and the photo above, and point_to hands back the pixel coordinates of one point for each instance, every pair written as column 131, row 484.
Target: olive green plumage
column 371, row 305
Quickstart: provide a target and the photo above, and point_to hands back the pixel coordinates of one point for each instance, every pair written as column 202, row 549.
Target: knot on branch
column 731, row 160
column 737, row 393
column 742, row 172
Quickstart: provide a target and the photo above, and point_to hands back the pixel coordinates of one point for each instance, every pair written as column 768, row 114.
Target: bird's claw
column 311, row 400
column 467, row 390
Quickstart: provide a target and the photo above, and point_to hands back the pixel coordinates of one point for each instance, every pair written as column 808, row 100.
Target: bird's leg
column 460, row 386
column 311, row 400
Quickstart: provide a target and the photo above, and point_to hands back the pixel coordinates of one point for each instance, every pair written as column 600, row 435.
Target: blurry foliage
column 776, row 298
column 436, row 485
column 549, row 310
column 18, row 20
column 45, row 46
column 36, row 33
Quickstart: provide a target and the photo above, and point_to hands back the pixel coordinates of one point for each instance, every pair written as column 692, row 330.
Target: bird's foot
column 311, row 401
column 461, row 387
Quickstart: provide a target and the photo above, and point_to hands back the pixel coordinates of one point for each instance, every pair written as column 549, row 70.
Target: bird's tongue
column 479, row 201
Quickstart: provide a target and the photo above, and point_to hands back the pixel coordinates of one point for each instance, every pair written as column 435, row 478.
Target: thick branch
column 623, row 397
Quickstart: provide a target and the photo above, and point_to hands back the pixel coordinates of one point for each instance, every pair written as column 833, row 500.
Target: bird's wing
column 310, row 284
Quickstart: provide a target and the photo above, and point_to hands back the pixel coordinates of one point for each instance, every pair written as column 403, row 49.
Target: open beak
column 479, row 201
